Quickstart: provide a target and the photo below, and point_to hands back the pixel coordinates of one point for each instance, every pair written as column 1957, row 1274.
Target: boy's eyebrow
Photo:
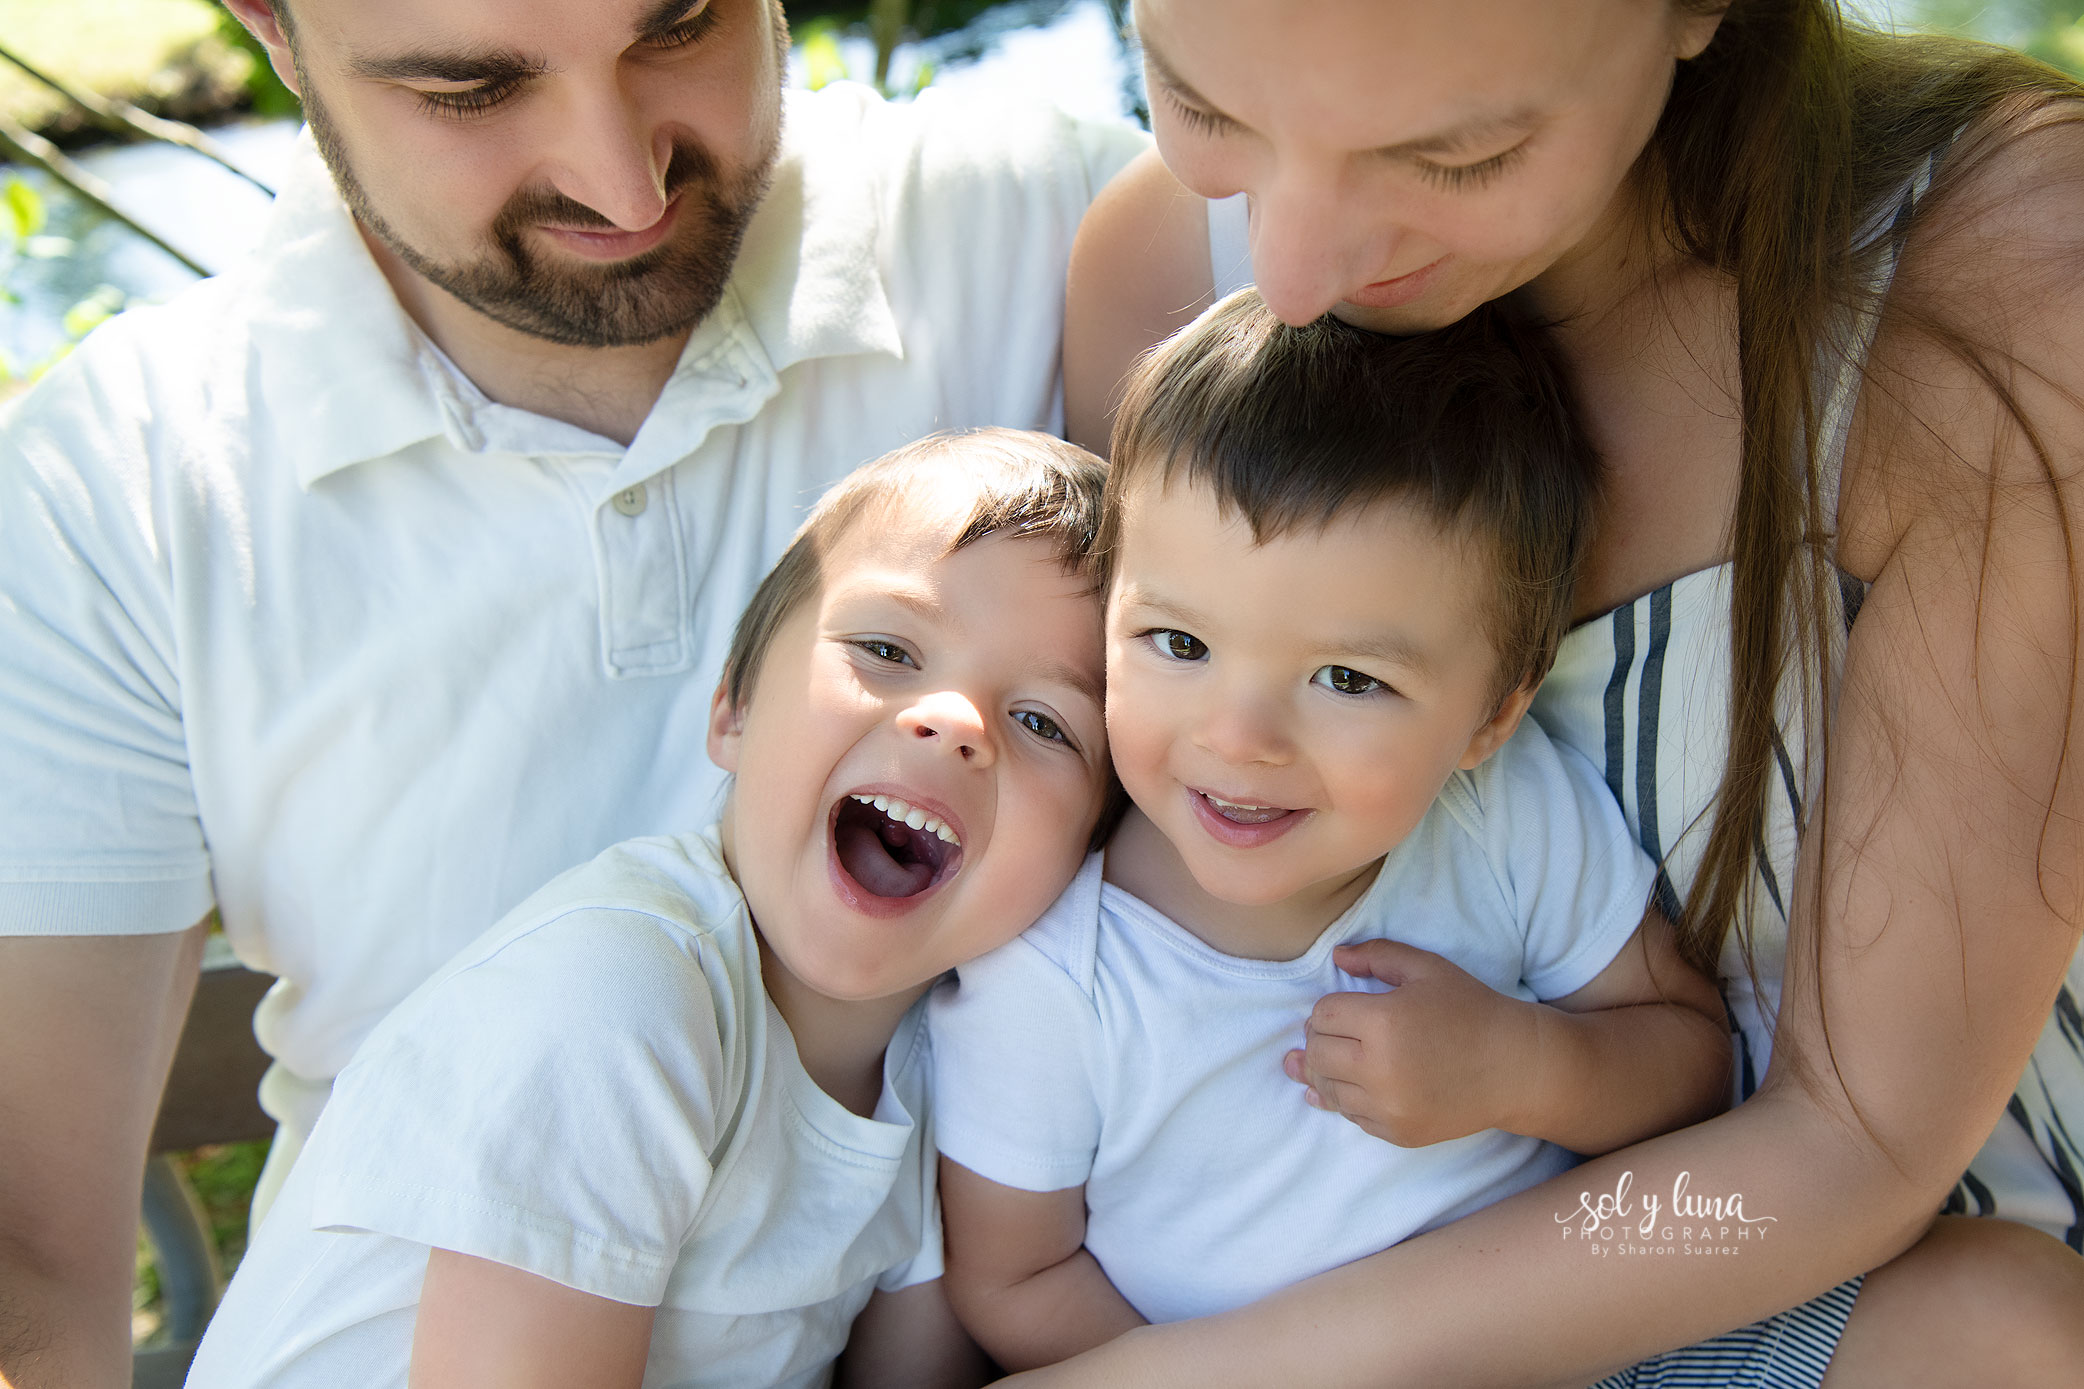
column 1387, row 644
column 1390, row 646
column 1064, row 673
column 1476, row 130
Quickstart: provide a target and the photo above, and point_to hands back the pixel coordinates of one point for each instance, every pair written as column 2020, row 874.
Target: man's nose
column 1311, row 246
column 610, row 156
column 953, row 724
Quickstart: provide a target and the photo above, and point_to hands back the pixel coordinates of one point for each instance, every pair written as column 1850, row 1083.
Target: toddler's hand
column 1439, row 1056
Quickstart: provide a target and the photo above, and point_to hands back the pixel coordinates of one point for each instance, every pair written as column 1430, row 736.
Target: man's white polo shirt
column 295, row 622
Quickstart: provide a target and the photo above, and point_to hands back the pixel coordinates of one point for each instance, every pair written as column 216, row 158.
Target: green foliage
column 25, row 212
column 263, row 88
column 823, row 63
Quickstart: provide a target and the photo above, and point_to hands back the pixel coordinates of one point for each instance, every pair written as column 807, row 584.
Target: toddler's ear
column 726, row 722
column 1500, row 726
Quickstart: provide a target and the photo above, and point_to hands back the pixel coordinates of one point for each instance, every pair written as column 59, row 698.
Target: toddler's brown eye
column 1347, row 680
column 1181, row 646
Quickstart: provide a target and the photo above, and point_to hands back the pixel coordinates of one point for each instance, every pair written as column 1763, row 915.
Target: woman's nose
column 1311, row 247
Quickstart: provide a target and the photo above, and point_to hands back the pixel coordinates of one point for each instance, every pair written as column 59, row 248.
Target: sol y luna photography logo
column 1631, row 1224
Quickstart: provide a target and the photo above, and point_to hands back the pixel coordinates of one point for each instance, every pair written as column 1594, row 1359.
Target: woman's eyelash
column 1205, row 122
column 1464, row 176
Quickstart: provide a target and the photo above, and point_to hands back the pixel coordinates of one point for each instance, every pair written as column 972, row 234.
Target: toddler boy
column 1340, row 564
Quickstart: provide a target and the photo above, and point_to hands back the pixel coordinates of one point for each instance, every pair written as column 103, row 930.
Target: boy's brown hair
column 1291, row 428
column 1026, row 483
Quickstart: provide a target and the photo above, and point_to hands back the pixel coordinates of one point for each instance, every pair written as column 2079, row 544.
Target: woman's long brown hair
column 1777, row 144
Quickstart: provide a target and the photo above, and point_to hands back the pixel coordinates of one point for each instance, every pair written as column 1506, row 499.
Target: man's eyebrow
column 1474, row 131
column 446, row 65
column 664, row 17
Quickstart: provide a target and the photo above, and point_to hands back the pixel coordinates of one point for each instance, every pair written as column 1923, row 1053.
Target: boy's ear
column 1500, row 726
column 726, row 723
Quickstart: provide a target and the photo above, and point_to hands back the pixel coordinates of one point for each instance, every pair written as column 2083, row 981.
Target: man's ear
column 1499, row 726
column 726, row 724
column 259, row 18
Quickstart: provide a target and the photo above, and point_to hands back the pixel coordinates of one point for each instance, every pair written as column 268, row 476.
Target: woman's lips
column 1395, row 293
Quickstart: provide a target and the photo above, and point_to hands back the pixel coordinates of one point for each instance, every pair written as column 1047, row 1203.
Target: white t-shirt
column 1109, row 1046
column 597, row 1091
column 296, row 623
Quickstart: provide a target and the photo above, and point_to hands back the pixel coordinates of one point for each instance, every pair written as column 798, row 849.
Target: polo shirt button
column 630, row 500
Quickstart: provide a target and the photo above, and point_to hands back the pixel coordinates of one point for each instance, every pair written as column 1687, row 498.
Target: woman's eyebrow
column 1474, row 130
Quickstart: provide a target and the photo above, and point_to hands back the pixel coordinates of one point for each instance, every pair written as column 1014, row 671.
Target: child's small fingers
column 1292, row 1065
column 1332, row 1056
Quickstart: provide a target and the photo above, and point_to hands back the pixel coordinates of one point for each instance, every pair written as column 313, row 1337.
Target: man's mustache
column 534, row 207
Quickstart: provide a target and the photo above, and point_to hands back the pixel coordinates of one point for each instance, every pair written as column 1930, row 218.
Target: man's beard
column 664, row 291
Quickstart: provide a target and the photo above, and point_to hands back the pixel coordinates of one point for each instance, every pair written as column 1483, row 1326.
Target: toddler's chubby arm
column 1019, row 1274
column 910, row 1339
column 488, row 1324
column 1639, row 1051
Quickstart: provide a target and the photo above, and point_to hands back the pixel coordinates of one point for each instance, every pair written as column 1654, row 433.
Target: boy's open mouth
column 890, row 848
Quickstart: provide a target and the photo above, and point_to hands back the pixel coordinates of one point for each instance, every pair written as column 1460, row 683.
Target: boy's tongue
column 863, row 851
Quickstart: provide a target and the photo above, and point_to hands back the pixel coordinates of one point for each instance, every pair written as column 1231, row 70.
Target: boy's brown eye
column 886, row 651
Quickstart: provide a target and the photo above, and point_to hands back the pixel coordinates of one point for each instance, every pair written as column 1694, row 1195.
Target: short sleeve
column 552, row 1106
column 1574, row 876
column 99, row 831
column 1015, row 1045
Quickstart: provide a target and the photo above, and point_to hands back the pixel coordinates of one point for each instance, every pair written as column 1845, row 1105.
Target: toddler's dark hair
column 1291, row 428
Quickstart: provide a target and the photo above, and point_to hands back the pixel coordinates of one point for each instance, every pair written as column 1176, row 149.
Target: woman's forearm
column 1572, row 1279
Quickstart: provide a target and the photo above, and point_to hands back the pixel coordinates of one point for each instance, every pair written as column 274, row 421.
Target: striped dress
column 1643, row 692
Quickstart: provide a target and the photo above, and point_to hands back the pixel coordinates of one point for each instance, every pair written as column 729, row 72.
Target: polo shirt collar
column 809, row 276
column 343, row 374
column 346, row 376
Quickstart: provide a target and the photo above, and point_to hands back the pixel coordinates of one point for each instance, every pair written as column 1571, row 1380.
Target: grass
column 171, row 56
column 223, row 1176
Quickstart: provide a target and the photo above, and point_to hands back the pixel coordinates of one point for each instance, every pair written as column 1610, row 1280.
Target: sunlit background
column 78, row 77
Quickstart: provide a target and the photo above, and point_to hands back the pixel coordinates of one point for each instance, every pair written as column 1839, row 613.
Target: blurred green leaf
column 823, row 63
column 25, row 212
column 93, row 311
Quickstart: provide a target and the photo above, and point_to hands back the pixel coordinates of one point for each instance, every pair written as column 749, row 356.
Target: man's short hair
column 1291, row 428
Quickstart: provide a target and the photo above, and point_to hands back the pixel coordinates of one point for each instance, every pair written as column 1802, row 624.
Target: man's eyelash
column 1457, row 177
column 689, row 30
column 471, row 101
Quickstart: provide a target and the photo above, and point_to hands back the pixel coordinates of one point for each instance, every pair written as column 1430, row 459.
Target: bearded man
column 355, row 594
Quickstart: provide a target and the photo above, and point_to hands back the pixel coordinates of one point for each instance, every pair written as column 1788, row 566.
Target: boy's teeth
column 909, row 815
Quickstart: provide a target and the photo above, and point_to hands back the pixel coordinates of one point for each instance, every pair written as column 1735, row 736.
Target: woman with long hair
column 1821, row 294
